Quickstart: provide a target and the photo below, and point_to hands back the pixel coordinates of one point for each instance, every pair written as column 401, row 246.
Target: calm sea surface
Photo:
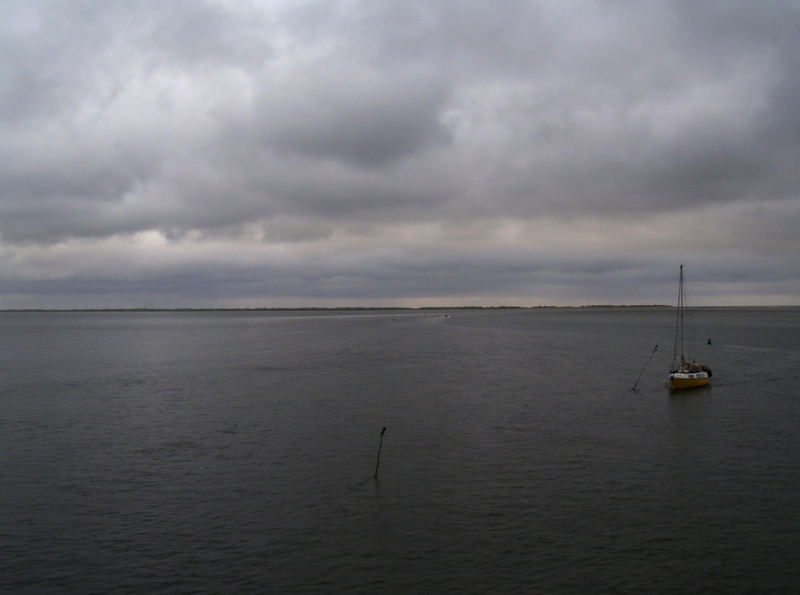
column 235, row 451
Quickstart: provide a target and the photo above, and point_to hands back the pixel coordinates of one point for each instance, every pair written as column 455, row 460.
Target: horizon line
column 363, row 308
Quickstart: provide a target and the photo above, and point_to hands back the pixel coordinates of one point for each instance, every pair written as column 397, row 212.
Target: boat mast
column 682, row 299
column 679, row 322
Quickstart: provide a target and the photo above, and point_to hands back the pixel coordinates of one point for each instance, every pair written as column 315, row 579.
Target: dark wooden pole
column 380, row 445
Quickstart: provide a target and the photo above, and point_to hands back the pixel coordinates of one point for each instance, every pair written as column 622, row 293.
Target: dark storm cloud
column 368, row 121
column 329, row 122
column 382, row 277
column 585, row 130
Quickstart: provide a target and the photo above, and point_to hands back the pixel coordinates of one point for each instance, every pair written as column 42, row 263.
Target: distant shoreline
column 377, row 308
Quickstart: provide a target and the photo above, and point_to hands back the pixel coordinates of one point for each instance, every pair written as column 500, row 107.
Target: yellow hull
column 688, row 380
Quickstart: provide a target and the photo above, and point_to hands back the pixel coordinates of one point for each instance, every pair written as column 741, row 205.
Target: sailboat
column 686, row 372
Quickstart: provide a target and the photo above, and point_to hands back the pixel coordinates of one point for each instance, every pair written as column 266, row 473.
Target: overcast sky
column 297, row 153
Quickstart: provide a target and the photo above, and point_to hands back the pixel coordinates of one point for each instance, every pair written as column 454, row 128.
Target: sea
column 245, row 451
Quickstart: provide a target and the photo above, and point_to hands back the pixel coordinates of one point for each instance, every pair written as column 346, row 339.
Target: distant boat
column 686, row 372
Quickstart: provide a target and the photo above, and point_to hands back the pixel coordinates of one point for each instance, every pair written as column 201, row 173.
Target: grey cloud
column 591, row 279
column 462, row 40
column 201, row 34
column 385, row 275
column 298, row 122
column 366, row 119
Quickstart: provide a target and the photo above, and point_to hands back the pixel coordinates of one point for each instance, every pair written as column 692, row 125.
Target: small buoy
column 709, row 341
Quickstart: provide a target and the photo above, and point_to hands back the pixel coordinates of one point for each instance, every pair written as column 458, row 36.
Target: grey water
column 235, row 452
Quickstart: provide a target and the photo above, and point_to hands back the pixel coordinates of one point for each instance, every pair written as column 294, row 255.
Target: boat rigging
column 686, row 372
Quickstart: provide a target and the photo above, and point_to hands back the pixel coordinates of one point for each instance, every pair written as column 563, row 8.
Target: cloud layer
column 345, row 152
